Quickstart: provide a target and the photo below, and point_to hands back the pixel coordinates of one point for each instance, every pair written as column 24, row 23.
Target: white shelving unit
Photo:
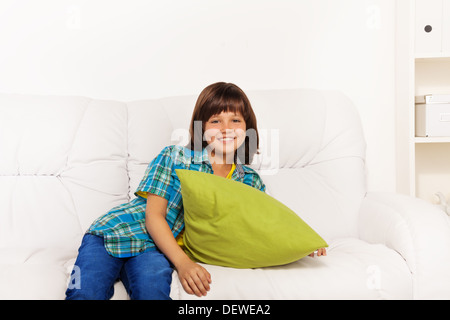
column 423, row 67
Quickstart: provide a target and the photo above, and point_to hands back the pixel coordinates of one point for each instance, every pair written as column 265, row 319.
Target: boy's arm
column 193, row 277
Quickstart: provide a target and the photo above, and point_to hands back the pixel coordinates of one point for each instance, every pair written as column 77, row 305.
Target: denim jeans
column 146, row 276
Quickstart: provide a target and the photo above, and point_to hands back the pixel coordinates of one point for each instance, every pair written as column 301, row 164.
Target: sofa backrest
column 66, row 160
column 63, row 162
column 320, row 173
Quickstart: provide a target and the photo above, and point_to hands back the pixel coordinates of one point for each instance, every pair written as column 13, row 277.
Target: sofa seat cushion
column 35, row 274
column 30, row 273
column 352, row 269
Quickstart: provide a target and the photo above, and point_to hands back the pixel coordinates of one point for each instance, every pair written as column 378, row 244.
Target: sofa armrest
column 418, row 231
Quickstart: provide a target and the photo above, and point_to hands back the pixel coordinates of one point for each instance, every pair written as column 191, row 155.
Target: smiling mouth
column 226, row 139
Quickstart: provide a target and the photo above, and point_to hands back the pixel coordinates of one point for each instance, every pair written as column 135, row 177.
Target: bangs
column 225, row 101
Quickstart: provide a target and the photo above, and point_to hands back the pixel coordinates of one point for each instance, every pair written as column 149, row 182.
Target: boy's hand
column 194, row 278
column 320, row 252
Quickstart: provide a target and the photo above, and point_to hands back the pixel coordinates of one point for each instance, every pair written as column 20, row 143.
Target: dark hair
column 215, row 99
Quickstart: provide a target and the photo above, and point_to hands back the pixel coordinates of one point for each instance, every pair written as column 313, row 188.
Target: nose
column 226, row 126
column 226, row 129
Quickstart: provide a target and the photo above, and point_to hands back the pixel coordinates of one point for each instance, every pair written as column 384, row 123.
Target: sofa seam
column 127, row 133
column 86, row 107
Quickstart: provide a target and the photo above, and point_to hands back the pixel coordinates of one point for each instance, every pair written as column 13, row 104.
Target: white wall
column 142, row 49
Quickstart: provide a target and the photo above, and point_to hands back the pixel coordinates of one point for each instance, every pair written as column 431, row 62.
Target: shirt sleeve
column 158, row 176
column 259, row 184
column 256, row 182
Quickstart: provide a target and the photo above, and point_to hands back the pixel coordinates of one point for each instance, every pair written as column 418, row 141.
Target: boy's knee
column 89, row 294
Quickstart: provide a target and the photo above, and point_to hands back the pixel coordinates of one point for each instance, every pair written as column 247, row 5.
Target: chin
column 222, row 150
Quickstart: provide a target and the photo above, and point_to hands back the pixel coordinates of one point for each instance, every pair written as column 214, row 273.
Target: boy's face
column 225, row 132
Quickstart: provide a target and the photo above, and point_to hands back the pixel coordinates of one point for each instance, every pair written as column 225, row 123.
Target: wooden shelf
column 432, row 139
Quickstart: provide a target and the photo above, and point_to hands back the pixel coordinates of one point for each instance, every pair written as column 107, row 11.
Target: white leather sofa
column 65, row 160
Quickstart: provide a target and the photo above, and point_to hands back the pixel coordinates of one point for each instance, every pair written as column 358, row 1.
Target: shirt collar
column 199, row 157
column 239, row 171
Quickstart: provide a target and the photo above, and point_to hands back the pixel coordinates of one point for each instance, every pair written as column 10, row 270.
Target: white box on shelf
column 433, row 98
column 433, row 116
column 429, row 27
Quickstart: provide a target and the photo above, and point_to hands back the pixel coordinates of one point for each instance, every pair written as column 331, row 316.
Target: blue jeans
column 146, row 276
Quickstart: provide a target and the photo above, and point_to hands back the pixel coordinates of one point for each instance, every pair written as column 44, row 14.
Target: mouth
column 226, row 139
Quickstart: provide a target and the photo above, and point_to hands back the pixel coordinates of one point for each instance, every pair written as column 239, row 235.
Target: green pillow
column 231, row 224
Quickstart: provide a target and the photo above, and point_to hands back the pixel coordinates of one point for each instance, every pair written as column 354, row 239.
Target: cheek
column 210, row 134
column 240, row 133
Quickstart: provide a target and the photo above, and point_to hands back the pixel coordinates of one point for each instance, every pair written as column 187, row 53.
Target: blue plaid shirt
column 123, row 227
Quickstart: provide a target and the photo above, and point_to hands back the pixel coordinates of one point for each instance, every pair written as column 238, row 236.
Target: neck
column 220, row 160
